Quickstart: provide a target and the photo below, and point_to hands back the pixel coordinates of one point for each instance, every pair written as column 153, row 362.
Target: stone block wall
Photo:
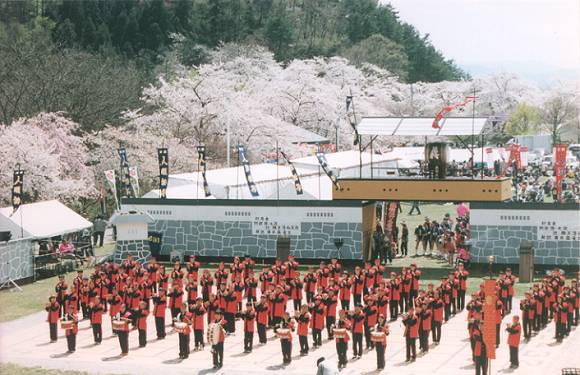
column 16, row 260
column 504, row 243
column 139, row 249
column 235, row 238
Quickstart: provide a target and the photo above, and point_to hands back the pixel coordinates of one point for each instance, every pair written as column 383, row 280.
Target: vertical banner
column 352, row 121
column 295, row 178
column 524, row 152
column 126, row 188
column 489, row 157
column 246, row 164
column 163, row 158
column 203, row 163
column 112, row 180
column 102, row 201
column 324, row 164
column 390, row 213
column 489, row 311
column 17, row 184
column 514, row 155
column 560, row 167
column 134, row 176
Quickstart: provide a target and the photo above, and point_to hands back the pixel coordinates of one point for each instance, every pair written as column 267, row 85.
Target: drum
column 283, row 333
column 213, row 333
column 120, row 325
column 66, row 324
column 339, row 333
column 377, row 336
column 180, row 327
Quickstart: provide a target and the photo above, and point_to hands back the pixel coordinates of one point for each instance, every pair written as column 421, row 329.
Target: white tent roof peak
column 420, row 126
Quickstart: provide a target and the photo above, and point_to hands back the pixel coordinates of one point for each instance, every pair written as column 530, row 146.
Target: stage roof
column 420, row 126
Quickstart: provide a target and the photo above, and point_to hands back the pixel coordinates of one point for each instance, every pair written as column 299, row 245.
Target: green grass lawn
column 12, row 369
column 15, row 304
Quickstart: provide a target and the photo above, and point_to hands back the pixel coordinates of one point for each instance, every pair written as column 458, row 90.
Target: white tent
column 41, row 220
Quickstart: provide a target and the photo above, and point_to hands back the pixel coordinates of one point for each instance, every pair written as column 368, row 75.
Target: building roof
column 125, row 217
column 345, row 159
column 43, row 220
column 420, row 126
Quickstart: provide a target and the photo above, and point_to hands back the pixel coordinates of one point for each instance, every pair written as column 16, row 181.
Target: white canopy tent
column 41, row 220
column 420, row 126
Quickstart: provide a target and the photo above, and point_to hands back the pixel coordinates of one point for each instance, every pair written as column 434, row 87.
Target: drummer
column 53, row 308
column 71, row 331
column 182, row 322
column 122, row 330
column 379, row 336
column 340, row 333
column 285, row 335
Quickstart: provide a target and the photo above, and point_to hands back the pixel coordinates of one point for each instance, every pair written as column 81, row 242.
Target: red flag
column 489, row 319
column 445, row 110
column 514, row 155
column 560, row 168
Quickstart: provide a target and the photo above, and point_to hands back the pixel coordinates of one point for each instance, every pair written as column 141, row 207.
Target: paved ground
column 25, row 342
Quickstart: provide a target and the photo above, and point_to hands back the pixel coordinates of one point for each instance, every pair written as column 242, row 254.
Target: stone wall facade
column 552, row 229
column 16, row 260
column 235, row 238
column 139, row 249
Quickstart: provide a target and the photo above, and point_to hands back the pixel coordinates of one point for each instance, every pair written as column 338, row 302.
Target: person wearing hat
column 345, row 285
column 71, row 332
column 262, row 311
column 159, row 307
column 342, row 339
column 53, row 308
column 309, row 284
column 141, row 323
column 249, row 318
column 217, row 347
column 303, row 319
column 198, row 311
column 381, row 345
column 78, row 284
column 286, row 339
column 411, row 334
column 357, row 324
column 318, row 313
column 184, row 316
column 123, row 334
column 61, row 291
column 96, row 311
column 515, row 331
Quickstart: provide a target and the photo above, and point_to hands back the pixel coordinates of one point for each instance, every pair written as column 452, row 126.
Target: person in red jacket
column 249, row 317
column 191, row 289
column 184, row 317
column 285, row 335
column 159, row 306
column 115, row 302
column 381, row 342
column 371, row 312
column 396, row 287
column 217, row 347
column 53, row 309
column 479, row 350
column 279, row 301
column 461, row 274
column 198, row 311
column 231, row 308
column 330, row 301
column 425, row 318
column 96, row 310
column 344, row 291
column 515, row 332
column 303, row 319
column 411, row 323
column 60, row 289
column 250, row 285
column 206, row 285
column 262, row 312
column 318, row 313
column 141, row 319
column 342, row 338
column 309, row 285
column 357, row 323
column 124, row 315
column 71, row 333
column 499, row 310
column 437, row 306
column 175, row 301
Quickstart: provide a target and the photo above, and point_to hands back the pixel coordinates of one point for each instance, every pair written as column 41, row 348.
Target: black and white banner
column 163, row 158
column 202, row 163
column 247, row 171
column 324, row 164
column 18, row 182
column 112, row 181
column 126, row 187
column 295, row 178
column 352, row 119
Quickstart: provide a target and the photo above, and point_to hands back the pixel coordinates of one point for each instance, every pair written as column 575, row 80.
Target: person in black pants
column 357, row 331
column 414, row 207
column 342, row 341
column 411, row 323
column 217, row 348
column 404, row 239
column 71, row 333
column 381, row 346
column 249, row 317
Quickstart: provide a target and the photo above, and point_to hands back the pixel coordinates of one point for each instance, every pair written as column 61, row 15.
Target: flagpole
column 277, row 172
column 473, row 137
column 197, row 179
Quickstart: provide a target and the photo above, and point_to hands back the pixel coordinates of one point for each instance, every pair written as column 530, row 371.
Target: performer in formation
column 195, row 297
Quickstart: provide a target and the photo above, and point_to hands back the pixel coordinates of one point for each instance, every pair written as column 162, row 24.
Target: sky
column 536, row 38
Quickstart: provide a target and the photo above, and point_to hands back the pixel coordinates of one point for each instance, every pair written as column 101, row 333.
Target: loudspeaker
column 283, row 248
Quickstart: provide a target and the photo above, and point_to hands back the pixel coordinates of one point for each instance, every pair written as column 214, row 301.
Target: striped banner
column 295, row 178
column 247, row 171
column 324, row 164
column 203, row 164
